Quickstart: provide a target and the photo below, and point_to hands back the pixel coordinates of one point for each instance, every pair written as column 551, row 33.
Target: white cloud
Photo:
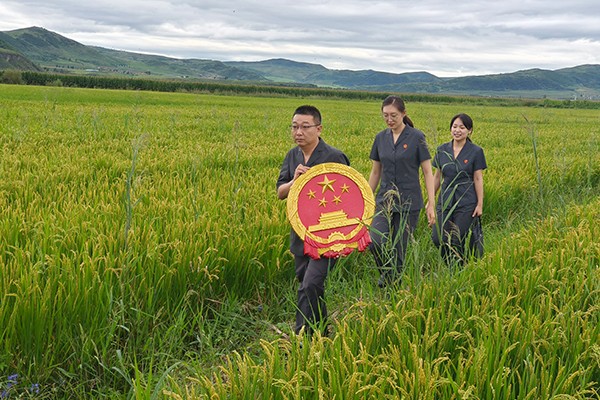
column 468, row 38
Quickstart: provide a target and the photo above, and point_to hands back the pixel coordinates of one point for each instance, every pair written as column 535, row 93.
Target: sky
column 445, row 38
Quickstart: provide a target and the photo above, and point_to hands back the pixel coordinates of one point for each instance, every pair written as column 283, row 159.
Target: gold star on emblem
column 345, row 188
column 337, row 200
column 327, row 184
column 323, row 202
column 311, row 194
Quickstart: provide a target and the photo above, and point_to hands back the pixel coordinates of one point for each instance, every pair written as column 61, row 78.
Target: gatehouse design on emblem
column 330, row 207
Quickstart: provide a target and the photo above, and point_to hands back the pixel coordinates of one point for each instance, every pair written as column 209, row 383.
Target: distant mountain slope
column 35, row 48
column 565, row 83
column 531, row 79
column 370, row 78
column 13, row 59
column 57, row 53
column 583, row 75
column 580, row 81
column 181, row 68
column 282, row 70
column 51, row 50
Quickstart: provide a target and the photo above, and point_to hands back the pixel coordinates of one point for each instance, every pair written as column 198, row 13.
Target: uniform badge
column 330, row 207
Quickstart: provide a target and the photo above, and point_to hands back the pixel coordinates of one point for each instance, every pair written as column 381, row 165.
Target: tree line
column 262, row 89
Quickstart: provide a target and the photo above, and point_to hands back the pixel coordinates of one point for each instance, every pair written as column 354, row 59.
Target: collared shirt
column 400, row 164
column 323, row 153
column 458, row 188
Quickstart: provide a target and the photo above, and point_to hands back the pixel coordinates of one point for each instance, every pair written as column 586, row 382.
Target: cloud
column 468, row 38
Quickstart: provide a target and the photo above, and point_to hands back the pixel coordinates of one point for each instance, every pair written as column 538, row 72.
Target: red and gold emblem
column 330, row 207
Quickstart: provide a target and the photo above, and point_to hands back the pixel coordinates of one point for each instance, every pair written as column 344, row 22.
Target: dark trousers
column 451, row 239
column 389, row 235
column 311, row 310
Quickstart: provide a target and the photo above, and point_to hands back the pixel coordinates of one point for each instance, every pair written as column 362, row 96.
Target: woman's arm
column 478, row 180
column 430, row 188
column 437, row 180
column 375, row 175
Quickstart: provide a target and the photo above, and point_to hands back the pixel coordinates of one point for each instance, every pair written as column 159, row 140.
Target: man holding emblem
column 310, row 151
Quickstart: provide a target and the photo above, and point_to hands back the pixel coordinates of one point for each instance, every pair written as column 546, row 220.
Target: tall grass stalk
column 531, row 130
column 130, row 204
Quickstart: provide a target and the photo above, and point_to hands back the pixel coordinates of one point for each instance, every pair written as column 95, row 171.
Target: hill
column 282, row 70
column 576, row 82
column 13, row 59
column 56, row 53
column 135, row 63
column 36, row 48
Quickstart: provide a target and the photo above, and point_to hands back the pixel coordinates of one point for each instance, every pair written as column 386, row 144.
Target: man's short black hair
column 309, row 110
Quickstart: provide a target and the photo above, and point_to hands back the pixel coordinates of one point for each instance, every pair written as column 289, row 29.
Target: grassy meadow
column 143, row 255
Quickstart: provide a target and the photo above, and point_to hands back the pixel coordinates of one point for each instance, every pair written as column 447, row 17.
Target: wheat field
column 143, row 254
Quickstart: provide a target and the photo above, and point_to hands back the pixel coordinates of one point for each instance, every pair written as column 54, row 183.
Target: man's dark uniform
column 311, row 308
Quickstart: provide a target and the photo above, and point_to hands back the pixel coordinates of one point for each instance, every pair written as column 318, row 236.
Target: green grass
column 144, row 255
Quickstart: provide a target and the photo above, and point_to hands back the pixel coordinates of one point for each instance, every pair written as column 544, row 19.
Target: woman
column 459, row 168
column 397, row 153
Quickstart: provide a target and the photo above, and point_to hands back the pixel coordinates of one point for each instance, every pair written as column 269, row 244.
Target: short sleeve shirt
column 323, row 153
column 400, row 164
column 458, row 188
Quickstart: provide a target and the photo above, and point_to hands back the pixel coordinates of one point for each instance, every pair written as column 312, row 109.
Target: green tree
column 11, row 76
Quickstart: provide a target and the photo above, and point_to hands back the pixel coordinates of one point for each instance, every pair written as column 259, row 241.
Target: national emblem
column 330, row 207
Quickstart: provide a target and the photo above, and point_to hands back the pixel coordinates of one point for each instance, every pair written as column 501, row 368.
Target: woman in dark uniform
column 397, row 154
column 459, row 168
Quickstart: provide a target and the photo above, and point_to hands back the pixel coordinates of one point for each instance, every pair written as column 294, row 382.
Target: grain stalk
column 531, row 130
column 130, row 204
column 235, row 171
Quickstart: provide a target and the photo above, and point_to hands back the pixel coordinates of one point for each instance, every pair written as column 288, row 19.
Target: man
column 311, row 150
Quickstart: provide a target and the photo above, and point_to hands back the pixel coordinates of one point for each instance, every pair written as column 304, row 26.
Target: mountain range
column 38, row 49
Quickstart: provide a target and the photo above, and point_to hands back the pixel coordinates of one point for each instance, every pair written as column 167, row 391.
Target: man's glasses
column 294, row 128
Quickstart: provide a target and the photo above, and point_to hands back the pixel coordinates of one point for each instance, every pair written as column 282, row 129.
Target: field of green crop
column 143, row 254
